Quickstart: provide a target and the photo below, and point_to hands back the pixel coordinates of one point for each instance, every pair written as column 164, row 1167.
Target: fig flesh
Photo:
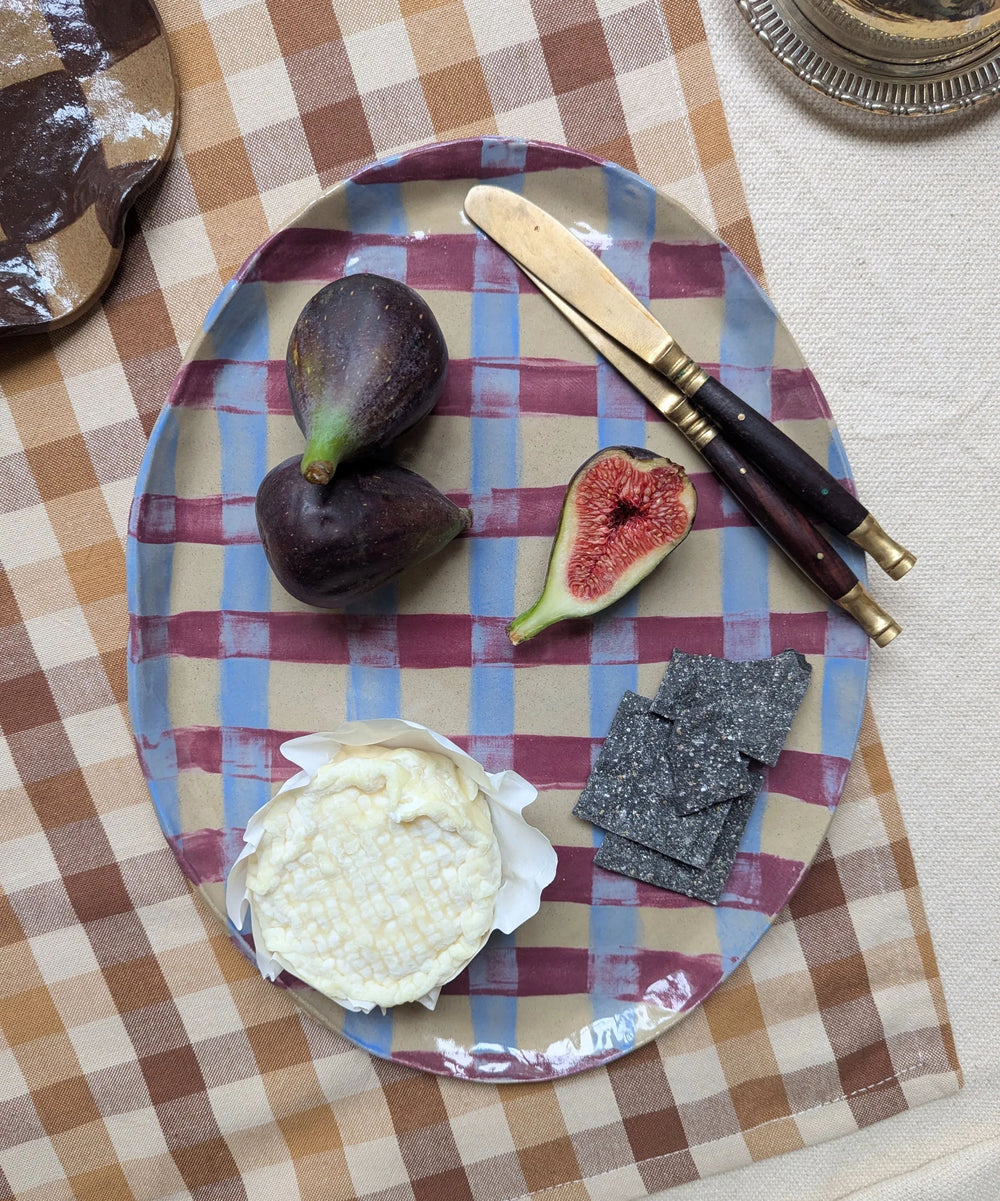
column 329, row 545
column 366, row 360
column 624, row 511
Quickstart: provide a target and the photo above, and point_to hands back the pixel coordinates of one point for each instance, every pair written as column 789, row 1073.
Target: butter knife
column 791, row 531
column 551, row 253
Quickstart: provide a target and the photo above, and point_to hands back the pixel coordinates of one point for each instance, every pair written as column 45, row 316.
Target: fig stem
column 329, row 434
column 531, row 622
column 319, row 472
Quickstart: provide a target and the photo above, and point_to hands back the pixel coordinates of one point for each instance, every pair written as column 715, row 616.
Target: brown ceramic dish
column 88, row 116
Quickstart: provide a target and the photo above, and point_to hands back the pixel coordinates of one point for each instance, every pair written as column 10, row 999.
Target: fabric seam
column 760, row 1125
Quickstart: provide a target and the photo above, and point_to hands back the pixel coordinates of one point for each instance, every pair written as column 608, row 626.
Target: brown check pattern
column 142, row 1057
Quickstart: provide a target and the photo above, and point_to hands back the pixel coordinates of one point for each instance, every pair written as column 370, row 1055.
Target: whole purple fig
column 366, row 360
column 331, row 544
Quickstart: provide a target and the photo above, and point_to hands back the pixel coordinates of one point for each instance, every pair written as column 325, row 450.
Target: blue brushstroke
column 240, row 329
column 507, row 153
column 615, row 928
column 738, row 930
column 839, row 467
column 496, row 456
column 241, row 388
column 375, row 208
column 244, row 663
column 494, row 1015
column 375, row 690
column 378, row 260
column 746, row 352
column 148, row 571
column 373, row 1031
column 219, row 303
column 845, row 670
column 844, row 681
column 748, row 330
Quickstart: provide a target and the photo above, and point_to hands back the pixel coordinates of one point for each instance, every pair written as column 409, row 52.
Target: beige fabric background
column 880, row 241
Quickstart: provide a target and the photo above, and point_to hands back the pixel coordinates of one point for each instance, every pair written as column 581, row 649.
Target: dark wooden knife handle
column 777, row 517
column 779, row 458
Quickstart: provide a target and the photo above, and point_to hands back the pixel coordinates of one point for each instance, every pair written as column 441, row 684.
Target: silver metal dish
column 898, row 57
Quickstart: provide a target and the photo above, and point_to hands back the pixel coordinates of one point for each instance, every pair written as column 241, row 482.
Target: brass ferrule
column 682, row 370
column 690, row 422
column 894, row 559
column 870, row 615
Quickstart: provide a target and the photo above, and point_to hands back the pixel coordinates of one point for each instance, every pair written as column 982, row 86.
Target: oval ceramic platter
column 224, row 666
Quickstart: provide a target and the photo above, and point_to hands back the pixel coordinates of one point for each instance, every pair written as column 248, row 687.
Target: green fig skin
column 329, row 545
column 366, row 360
column 624, row 511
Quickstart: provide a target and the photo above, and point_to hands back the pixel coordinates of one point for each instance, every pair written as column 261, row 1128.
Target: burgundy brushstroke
column 546, row 387
column 570, row 971
column 796, row 775
column 762, row 882
column 500, row 513
column 759, row 882
column 453, row 262
column 205, row 856
column 465, row 159
column 459, row 640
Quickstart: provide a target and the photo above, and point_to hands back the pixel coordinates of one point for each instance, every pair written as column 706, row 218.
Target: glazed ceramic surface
column 88, row 115
column 224, row 665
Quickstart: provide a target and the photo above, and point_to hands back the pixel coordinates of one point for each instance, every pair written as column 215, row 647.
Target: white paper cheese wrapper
column 527, row 858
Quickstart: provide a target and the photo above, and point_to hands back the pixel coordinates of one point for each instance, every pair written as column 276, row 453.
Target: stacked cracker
column 677, row 777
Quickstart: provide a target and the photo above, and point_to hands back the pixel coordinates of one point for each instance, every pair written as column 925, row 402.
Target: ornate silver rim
column 869, row 85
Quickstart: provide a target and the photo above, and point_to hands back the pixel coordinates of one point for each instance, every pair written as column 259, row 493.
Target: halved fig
column 625, row 510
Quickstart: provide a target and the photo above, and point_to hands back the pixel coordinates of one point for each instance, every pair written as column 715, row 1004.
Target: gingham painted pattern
column 143, row 1057
column 224, row 665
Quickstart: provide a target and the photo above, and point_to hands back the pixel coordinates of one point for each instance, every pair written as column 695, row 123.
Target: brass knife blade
column 551, row 253
column 656, row 388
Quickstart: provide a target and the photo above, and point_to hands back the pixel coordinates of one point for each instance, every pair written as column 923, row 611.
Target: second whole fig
column 329, row 545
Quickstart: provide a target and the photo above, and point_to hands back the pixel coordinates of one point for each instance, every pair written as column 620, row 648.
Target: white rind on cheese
column 378, row 880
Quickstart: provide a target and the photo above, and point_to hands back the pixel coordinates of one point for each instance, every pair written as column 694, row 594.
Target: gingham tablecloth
column 143, row 1056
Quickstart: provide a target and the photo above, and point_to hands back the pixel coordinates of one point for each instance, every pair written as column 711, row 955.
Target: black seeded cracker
column 627, row 858
column 629, row 790
column 635, row 734
column 706, row 765
column 752, row 702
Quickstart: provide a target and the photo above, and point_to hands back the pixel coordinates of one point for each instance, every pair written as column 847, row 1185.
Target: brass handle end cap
column 903, row 565
column 870, row 615
column 895, row 560
column 890, row 631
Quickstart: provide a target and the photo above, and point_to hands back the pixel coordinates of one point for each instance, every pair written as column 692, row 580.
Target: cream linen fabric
column 880, row 240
